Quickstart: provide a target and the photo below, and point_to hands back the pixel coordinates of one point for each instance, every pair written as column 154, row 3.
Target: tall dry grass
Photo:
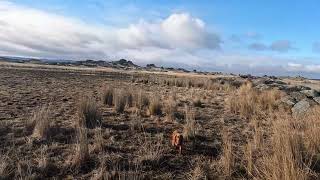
column 227, row 158
column 171, row 109
column 249, row 102
column 281, row 147
column 98, row 140
column 88, row 109
column 151, row 150
column 107, row 96
column 129, row 98
column 114, row 166
column 189, row 128
column 42, row 159
column 201, row 170
column 24, row 169
column 6, row 168
column 82, row 146
column 119, row 101
column 155, row 107
column 142, row 101
column 292, row 151
column 41, row 122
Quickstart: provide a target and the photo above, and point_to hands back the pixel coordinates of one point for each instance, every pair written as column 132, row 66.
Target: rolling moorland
column 85, row 121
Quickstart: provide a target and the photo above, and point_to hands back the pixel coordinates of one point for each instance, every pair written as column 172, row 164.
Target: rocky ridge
column 300, row 98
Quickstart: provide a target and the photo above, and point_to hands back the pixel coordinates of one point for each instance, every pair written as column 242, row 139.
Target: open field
column 109, row 124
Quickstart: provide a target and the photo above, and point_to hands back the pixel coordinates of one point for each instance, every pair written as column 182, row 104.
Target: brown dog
column 177, row 140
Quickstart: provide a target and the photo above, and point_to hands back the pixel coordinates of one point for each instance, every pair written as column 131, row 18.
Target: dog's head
column 176, row 139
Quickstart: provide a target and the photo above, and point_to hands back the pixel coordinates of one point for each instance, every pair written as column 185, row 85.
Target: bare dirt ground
column 125, row 135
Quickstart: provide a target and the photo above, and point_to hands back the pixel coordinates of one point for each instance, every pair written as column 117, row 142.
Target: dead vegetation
column 107, row 96
column 5, row 169
column 42, row 159
column 189, row 128
column 171, row 109
column 82, row 145
column 92, row 132
column 141, row 102
column 151, row 150
column 119, row 101
column 248, row 101
column 155, row 107
column 227, row 157
column 281, row 146
column 41, row 122
column 89, row 113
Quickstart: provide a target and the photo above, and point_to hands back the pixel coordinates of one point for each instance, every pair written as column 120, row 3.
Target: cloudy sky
column 260, row 37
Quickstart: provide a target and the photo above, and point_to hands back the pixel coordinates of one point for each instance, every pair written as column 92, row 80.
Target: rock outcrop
column 301, row 108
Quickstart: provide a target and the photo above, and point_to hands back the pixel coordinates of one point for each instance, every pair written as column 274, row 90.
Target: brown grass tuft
column 171, row 109
column 227, row 158
column 292, row 152
column 41, row 121
column 107, row 96
column 197, row 173
column 248, row 157
column 189, row 128
column 42, row 159
column 119, row 101
column 98, row 140
column 202, row 169
column 89, row 110
column 287, row 160
column 129, row 99
column 82, row 146
column 250, row 102
column 151, row 151
column 5, row 167
column 142, row 101
column 155, row 107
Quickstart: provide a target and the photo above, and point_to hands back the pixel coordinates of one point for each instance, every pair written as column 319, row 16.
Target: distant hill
column 119, row 64
column 122, row 63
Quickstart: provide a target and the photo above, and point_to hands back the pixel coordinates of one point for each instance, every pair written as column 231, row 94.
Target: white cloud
column 295, row 65
column 29, row 32
column 311, row 68
column 190, row 32
column 180, row 39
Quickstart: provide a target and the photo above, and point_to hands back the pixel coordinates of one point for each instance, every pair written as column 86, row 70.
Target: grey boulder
column 288, row 100
column 301, row 108
column 311, row 93
column 317, row 99
column 298, row 96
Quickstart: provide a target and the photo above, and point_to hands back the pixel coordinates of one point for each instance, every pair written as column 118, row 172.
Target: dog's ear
column 173, row 139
